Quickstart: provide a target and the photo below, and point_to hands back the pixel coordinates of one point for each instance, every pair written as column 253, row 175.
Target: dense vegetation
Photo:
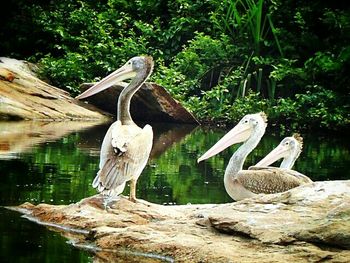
column 222, row 59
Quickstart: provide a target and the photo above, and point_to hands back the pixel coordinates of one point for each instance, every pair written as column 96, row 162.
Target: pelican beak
column 240, row 133
column 279, row 152
column 123, row 73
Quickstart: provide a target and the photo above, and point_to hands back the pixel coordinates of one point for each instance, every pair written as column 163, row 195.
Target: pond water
column 56, row 162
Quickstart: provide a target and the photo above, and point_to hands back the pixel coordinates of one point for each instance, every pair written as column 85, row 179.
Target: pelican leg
column 105, row 202
column 132, row 196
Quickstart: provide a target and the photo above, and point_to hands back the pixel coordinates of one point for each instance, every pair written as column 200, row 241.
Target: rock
column 306, row 224
column 24, row 96
column 317, row 213
column 151, row 103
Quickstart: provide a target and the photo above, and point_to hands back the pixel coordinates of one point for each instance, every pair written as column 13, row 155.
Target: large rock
column 150, row 103
column 317, row 213
column 310, row 223
column 24, row 96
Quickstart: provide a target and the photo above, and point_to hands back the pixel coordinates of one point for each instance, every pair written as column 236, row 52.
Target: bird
column 126, row 146
column 241, row 184
column 289, row 149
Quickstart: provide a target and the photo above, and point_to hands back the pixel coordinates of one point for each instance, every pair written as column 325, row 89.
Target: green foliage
column 249, row 104
column 318, row 107
column 324, row 62
column 89, row 43
column 198, row 67
column 174, row 81
column 213, row 103
column 92, row 39
column 248, row 20
column 210, row 55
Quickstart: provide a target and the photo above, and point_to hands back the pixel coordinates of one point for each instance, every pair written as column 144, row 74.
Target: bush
column 220, row 59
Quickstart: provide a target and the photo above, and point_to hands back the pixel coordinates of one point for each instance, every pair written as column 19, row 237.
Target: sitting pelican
column 126, row 147
column 241, row 184
column 289, row 149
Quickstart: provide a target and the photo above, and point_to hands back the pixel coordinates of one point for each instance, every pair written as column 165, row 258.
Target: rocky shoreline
column 307, row 224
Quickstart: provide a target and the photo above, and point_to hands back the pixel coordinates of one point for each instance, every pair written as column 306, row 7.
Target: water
column 55, row 163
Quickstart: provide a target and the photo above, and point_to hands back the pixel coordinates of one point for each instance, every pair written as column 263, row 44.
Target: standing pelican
column 241, row 184
column 126, row 147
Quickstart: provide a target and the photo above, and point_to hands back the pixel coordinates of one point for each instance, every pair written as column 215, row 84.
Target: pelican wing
column 268, row 180
column 124, row 154
column 302, row 177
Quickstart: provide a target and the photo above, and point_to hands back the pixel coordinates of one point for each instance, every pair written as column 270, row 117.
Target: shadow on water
column 56, row 163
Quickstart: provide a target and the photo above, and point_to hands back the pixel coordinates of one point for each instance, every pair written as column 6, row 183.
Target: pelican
column 126, row 147
column 239, row 183
column 289, row 149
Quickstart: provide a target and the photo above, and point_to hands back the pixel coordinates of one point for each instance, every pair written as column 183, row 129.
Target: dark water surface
column 55, row 163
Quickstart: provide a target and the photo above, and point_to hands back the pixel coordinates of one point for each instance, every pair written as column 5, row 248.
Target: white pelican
column 126, row 147
column 241, row 184
column 289, row 149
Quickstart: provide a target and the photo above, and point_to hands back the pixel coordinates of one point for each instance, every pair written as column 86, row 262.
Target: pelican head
column 289, row 149
column 251, row 125
column 142, row 66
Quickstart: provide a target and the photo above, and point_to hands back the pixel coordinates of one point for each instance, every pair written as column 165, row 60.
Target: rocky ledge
column 310, row 223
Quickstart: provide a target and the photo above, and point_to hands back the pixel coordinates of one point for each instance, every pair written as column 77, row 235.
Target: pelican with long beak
column 239, row 183
column 289, row 149
column 126, row 147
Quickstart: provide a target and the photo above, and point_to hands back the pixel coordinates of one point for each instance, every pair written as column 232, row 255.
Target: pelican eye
column 137, row 64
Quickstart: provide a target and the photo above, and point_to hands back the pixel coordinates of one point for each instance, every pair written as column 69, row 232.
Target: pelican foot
column 140, row 201
column 132, row 199
column 109, row 200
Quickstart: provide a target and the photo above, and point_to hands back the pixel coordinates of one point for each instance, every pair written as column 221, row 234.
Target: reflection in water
column 56, row 163
column 21, row 136
column 165, row 135
column 24, row 241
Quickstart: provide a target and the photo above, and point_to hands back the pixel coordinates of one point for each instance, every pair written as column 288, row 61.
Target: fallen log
column 151, row 103
column 24, row 96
